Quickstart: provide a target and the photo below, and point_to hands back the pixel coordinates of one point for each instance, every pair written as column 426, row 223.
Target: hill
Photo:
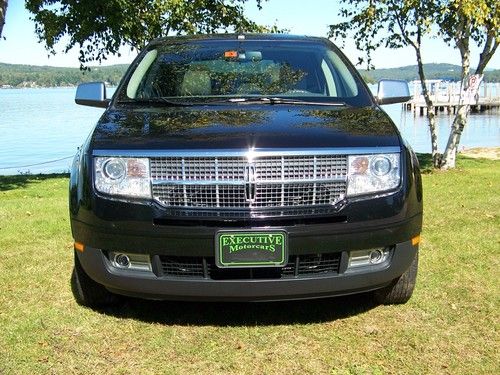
column 14, row 75
column 49, row 76
column 447, row 72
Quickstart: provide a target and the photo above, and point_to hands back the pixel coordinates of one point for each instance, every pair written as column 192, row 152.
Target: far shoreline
column 46, row 87
column 37, row 87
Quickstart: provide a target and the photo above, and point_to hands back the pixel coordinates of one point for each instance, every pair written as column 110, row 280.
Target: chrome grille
column 197, row 168
column 231, row 196
column 239, row 182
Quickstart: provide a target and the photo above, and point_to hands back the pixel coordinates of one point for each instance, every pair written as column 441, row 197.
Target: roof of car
column 240, row 36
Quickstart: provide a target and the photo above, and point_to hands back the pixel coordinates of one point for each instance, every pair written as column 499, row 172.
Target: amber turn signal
column 415, row 240
column 79, row 246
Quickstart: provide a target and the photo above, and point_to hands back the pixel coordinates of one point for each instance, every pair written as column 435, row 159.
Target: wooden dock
column 445, row 97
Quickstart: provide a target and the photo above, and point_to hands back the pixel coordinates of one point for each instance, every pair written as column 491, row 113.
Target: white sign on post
column 469, row 93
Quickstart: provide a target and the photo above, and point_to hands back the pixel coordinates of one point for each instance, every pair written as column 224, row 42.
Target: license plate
column 240, row 249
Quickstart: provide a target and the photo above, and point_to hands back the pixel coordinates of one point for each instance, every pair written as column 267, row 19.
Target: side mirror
column 92, row 94
column 392, row 91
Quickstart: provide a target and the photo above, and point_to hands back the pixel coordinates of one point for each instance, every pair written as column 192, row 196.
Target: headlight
column 127, row 177
column 372, row 173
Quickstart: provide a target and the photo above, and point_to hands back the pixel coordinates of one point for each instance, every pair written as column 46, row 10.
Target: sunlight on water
column 39, row 125
column 483, row 129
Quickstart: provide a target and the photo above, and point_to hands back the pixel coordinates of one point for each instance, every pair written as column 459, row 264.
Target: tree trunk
column 450, row 154
column 3, row 10
column 431, row 112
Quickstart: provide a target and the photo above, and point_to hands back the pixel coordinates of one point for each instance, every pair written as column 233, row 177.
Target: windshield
column 212, row 70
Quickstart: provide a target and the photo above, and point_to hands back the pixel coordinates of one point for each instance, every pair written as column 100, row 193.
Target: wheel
column 87, row 292
column 401, row 289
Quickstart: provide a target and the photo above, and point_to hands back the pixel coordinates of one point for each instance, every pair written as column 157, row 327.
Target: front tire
column 87, row 292
column 401, row 289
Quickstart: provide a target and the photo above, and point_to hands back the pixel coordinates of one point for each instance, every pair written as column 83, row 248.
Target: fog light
column 368, row 257
column 376, row 256
column 122, row 260
column 130, row 261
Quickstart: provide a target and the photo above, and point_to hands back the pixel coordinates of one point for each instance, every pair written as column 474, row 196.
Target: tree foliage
column 464, row 21
column 99, row 28
column 386, row 23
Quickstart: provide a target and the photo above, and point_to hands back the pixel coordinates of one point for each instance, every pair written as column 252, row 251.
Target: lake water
column 43, row 125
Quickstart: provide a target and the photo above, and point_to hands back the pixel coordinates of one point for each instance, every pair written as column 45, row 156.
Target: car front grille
column 297, row 266
column 240, row 182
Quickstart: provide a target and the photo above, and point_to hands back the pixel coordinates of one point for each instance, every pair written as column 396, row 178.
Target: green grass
column 449, row 326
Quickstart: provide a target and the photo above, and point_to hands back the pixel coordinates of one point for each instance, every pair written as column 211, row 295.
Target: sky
column 301, row 17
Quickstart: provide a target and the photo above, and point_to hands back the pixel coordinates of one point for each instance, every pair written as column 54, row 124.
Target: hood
column 243, row 126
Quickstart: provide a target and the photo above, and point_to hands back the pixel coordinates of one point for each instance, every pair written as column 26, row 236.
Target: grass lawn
column 449, row 326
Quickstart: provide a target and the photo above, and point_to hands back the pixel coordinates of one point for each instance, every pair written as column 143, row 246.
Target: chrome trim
column 250, row 207
column 250, row 153
column 243, row 182
column 250, row 182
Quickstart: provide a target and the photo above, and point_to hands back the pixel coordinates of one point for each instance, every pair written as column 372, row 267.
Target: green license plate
column 240, row 249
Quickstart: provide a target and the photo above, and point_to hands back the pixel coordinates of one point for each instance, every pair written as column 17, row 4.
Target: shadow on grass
column 425, row 161
column 236, row 314
column 23, row 180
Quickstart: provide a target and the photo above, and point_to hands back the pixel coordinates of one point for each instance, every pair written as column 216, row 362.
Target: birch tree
column 396, row 24
column 463, row 22
column 393, row 24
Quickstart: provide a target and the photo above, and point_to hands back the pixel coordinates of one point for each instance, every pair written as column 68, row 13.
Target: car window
column 234, row 69
column 330, row 82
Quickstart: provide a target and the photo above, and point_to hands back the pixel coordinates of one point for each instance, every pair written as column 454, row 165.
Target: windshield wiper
column 247, row 100
column 277, row 100
column 156, row 101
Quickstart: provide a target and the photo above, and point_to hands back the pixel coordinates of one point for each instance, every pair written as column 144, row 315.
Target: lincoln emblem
column 250, row 182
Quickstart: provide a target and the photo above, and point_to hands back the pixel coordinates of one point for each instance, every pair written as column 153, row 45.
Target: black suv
column 244, row 167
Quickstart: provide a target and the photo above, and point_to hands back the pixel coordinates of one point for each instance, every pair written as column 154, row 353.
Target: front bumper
column 150, row 286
